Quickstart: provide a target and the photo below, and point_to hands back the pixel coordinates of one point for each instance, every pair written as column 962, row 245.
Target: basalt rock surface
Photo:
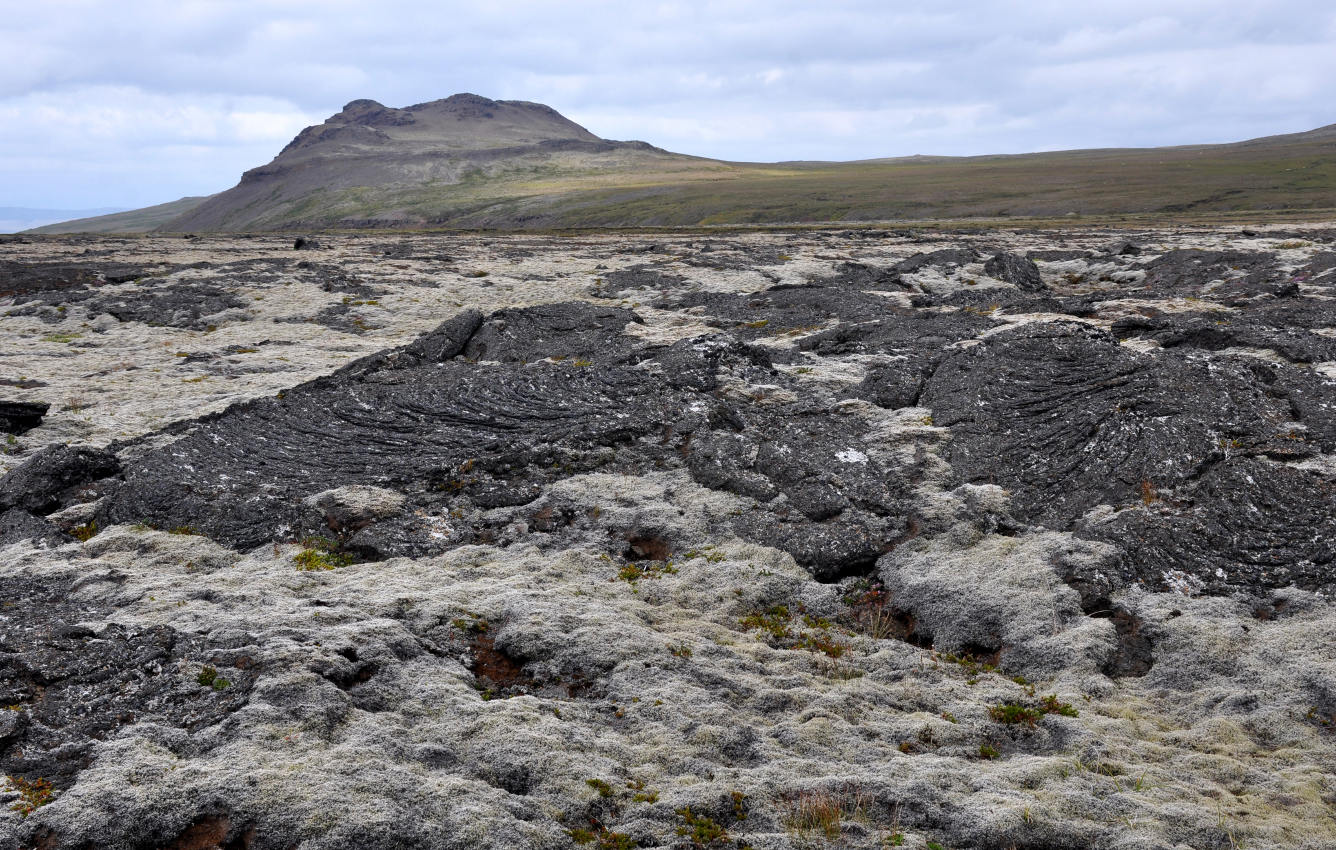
column 1067, row 419
column 79, row 684
column 1020, row 271
column 18, row 417
column 985, row 539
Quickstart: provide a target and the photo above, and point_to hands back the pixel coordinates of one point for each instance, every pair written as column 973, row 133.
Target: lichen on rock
column 987, row 540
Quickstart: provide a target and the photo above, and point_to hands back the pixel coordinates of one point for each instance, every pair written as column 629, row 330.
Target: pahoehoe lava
column 963, row 535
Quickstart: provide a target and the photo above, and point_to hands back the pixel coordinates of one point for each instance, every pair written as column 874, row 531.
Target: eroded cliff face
column 827, row 538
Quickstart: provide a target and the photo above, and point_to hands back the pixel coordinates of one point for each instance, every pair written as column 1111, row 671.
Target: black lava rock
column 1067, row 419
column 19, row 417
column 49, row 479
column 1017, row 270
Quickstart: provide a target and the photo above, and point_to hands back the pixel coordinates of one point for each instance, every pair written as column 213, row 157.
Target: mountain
column 471, row 162
column 131, row 221
column 373, row 165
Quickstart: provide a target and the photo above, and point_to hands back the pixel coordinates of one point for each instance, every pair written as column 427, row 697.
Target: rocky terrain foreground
column 828, row 538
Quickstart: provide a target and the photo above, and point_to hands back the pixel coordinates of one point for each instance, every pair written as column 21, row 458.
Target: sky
column 136, row 102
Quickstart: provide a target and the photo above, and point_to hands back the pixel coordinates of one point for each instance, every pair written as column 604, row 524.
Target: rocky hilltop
column 847, row 539
column 373, row 165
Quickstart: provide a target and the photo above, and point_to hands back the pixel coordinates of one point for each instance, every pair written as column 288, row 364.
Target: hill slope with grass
column 433, row 163
column 471, row 162
column 132, row 221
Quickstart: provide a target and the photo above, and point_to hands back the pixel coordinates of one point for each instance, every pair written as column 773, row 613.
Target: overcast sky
column 136, row 102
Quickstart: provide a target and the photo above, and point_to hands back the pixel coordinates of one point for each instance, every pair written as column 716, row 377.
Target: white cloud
column 121, row 145
column 105, row 104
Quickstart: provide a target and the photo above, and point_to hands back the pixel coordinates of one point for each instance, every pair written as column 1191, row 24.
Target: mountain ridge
column 473, row 162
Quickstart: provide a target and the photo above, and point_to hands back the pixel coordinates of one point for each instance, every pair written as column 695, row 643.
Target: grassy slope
column 1289, row 176
column 134, row 221
column 1293, row 173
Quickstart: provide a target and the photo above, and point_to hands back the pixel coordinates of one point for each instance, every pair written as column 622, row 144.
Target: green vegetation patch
column 320, row 553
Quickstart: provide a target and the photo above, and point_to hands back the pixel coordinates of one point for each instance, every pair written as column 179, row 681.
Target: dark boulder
column 447, row 339
column 52, row 477
column 1215, row 274
column 638, row 277
column 573, row 329
column 898, row 331
column 19, row 417
column 23, row 278
column 1058, row 255
column 397, row 426
column 17, row 524
column 1319, row 271
column 1123, row 248
column 863, row 276
column 1017, row 270
column 54, row 278
column 783, row 310
column 418, row 419
column 942, row 257
column 181, row 304
column 899, row 384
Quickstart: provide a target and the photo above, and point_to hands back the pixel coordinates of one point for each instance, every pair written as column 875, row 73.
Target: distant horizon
column 11, row 217
column 18, row 219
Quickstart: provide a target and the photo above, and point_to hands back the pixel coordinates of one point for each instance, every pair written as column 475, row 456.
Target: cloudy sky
column 137, row 102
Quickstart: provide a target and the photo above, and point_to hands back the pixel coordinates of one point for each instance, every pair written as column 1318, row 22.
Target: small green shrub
column 33, row 794
column 777, row 622
column 1050, row 705
column 700, row 829
column 320, row 553
column 739, row 804
column 632, row 573
column 209, row 678
column 474, row 624
column 642, row 794
column 773, row 621
column 967, row 662
column 1015, row 713
column 615, row 841
column 603, row 788
column 870, row 610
